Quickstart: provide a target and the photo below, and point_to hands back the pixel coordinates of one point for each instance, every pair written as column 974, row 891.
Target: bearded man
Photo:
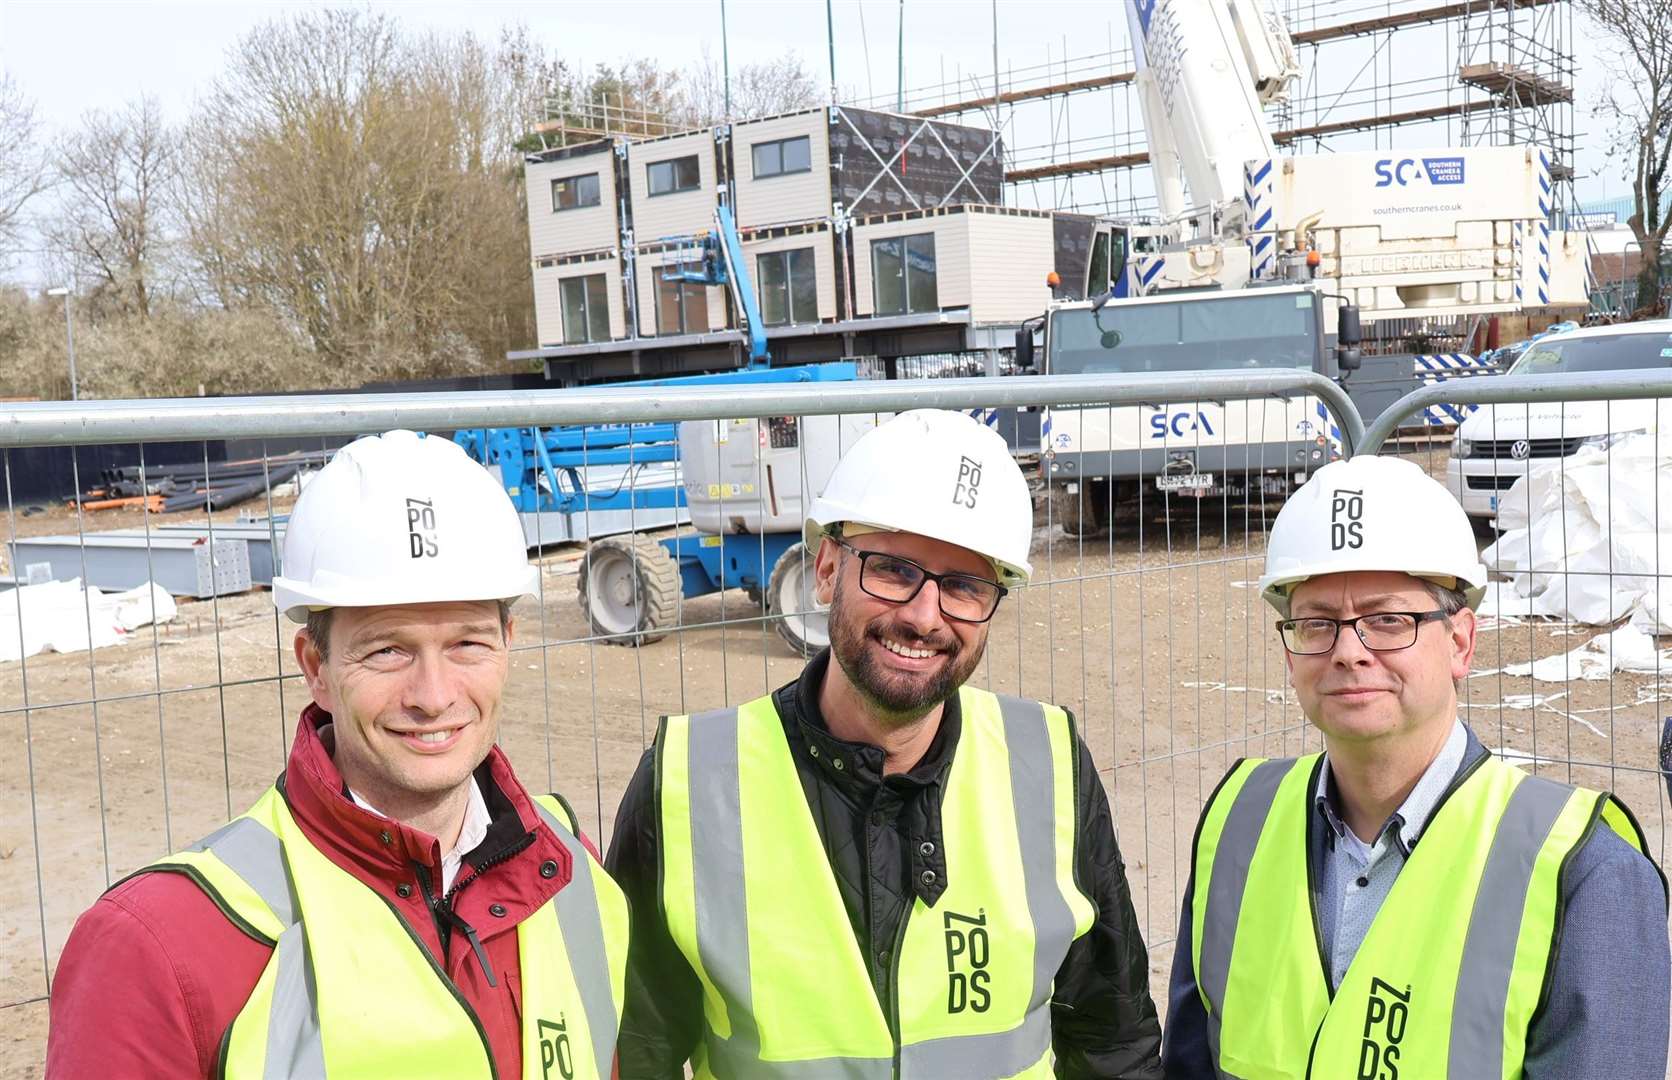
column 878, row 870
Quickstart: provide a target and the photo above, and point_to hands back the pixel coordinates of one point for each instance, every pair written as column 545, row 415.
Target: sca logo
column 967, row 954
column 1442, row 171
column 555, row 1051
column 1385, row 1017
column 1179, row 424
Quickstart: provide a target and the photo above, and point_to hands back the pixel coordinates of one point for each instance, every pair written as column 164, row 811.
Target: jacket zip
column 441, row 907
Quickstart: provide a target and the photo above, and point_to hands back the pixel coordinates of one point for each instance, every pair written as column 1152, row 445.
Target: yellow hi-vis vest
column 350, row 992
column 753, row 904
column 1452, row 970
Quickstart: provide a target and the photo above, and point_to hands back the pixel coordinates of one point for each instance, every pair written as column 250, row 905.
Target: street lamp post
column 69, row 335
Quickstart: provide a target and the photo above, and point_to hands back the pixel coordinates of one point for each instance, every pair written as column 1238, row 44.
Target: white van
column 1497, row 445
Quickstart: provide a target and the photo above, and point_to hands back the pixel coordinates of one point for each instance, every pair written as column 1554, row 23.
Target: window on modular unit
column 903, row 274
column 680, row 174
column 789, row 288
column 783, row 156
column 681, row 307
column 573, row 192
column 586, row 309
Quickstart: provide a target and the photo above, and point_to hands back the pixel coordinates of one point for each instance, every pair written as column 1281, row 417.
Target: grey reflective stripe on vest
column 294, row 1048
column 1477, row 1016
column 1226, row 885
column 256, row 855
column 723, row 923
column 582, row 926
column 252, row 852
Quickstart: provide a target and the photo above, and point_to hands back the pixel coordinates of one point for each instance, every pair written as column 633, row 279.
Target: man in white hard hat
column 1406, row 903
column 879, row 870
column 397, row 904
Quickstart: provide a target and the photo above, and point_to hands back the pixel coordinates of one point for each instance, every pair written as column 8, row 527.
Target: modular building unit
column 781, row 169
column 991, row 260
column 673, row 184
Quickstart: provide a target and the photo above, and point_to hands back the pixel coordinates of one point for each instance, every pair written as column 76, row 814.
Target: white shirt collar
column 471, row 834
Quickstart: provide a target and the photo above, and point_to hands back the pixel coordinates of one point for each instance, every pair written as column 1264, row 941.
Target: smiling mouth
column 429, row 741
column 906, row 651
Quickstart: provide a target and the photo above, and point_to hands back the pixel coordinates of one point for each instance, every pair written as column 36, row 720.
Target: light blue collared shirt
column 1355, row 877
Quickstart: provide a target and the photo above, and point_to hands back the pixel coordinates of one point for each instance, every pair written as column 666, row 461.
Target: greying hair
column 319, row 626
column 1451, row 601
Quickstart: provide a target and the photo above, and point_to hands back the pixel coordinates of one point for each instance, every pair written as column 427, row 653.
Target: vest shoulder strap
column 241, row 868
column 1618, row 816
column 558, row 812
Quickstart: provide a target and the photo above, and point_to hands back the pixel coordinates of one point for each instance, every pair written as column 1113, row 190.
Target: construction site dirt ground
column 1157, row 640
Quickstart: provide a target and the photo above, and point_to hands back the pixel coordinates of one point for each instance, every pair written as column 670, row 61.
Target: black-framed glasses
column 898, row 580
column 1380, row 631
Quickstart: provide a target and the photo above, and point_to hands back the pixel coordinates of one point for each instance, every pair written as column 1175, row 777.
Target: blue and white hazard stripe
column 1544, row 204
column 1257, row 197
column 1433, row 368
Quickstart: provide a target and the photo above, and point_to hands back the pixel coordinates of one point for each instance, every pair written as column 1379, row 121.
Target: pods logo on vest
column 1385, row 1016
column 967, row 953
column 555, row 1049
column 420, row 527
column 1346, row 520
column 969, row 483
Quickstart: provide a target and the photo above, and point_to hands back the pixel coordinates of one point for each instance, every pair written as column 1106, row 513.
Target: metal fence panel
column 1149, row 628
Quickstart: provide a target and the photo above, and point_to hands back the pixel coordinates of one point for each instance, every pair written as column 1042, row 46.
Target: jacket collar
column 861, row 764
column 381, row 851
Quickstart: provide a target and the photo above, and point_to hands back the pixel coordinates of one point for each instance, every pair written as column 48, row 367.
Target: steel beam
column 183, row 565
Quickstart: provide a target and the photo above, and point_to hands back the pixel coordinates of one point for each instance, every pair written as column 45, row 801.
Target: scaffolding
column 1377, row 73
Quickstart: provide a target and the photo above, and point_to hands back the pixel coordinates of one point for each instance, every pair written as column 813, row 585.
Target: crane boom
column 1204, row 70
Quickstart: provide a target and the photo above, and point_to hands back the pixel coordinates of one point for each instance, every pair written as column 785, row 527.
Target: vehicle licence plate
column 1492, row 504
column 1185, row 482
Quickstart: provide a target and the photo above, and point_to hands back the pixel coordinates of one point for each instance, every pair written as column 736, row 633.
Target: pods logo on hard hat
column 420, row 528
column 1346, row 519
column 969, row 482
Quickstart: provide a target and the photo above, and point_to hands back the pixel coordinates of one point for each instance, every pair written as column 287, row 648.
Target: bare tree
column 760, row 89
column 1638, row 106
column 118, row 172
column 24, row 171
column 362, row 183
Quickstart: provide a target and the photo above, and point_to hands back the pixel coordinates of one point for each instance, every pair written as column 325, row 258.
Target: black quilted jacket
column 1103, row 1020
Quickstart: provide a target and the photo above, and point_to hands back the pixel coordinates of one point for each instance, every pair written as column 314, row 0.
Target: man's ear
column 826, row 565
column 1464, row 628
column 308, row 658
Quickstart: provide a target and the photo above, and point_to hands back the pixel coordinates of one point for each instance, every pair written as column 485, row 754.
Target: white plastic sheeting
column 1581, row 541
column 61, row 616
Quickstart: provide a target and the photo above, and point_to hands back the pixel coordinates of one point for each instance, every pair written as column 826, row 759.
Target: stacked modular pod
column 574, row 239
column 823, row 198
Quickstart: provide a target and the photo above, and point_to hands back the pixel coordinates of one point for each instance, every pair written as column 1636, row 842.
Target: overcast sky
column 76, row 55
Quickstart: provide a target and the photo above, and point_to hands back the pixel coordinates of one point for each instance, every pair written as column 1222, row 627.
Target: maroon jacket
column 154, row 973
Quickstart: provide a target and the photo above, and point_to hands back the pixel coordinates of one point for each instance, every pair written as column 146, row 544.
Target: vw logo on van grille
column 1520, row 449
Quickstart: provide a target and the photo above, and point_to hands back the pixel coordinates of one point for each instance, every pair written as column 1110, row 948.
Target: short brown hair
column 318, row 626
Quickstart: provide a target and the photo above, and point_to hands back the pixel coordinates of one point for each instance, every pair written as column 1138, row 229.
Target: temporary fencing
column 1143, row 617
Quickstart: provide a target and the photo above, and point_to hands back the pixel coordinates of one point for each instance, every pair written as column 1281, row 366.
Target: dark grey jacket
column 1607, row 1000
column 1103, row 1020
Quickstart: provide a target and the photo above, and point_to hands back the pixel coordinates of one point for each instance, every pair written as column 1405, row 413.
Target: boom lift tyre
column 630, row 589
column 789, row 595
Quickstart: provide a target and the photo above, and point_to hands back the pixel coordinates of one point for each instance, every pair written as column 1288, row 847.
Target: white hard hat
column 401, row 519
column 1371, row 513
column 938, row 474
